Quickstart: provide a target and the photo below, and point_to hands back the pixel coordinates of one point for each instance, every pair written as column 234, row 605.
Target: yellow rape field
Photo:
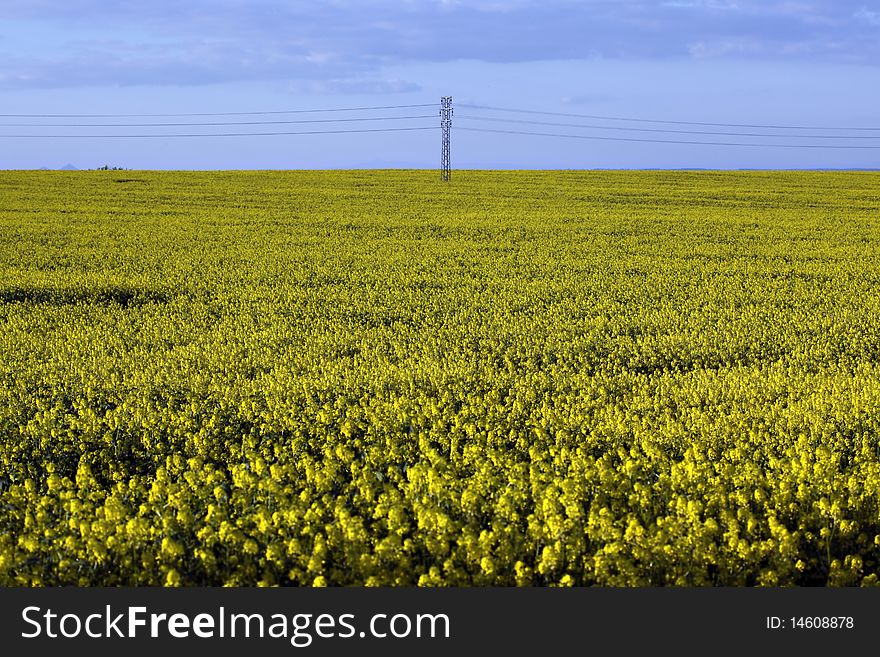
column 372, row 378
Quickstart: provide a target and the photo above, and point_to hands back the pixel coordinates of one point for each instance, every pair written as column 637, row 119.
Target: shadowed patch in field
column 124, row 297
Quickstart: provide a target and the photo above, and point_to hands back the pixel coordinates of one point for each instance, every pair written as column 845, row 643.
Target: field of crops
column 371, row 378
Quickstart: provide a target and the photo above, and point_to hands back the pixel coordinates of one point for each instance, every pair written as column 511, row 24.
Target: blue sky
column 783, row 62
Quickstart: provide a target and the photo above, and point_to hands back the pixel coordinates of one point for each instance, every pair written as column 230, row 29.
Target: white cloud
column 871, row 17
column 722, row 48
column 210, row 41
column 700, row 4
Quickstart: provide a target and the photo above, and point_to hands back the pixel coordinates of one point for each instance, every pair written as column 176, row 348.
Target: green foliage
column 371, row 378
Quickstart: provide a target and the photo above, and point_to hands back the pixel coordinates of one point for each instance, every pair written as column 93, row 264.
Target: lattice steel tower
column 446, row 126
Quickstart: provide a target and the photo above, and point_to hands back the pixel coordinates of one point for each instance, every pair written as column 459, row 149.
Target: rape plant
column 519, row 378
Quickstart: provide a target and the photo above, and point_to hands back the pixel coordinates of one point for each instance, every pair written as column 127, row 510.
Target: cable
column 219, row 134
column 620, row 118
column 668, row 141
column 302, row 111
column 216, row 123
column 678, row 132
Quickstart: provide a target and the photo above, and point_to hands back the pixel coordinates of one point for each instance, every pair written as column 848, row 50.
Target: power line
column 669, row 141
column 214, row 123
column 220, row 134
column 298, row 111
column 638, row 120
column 668, row 131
